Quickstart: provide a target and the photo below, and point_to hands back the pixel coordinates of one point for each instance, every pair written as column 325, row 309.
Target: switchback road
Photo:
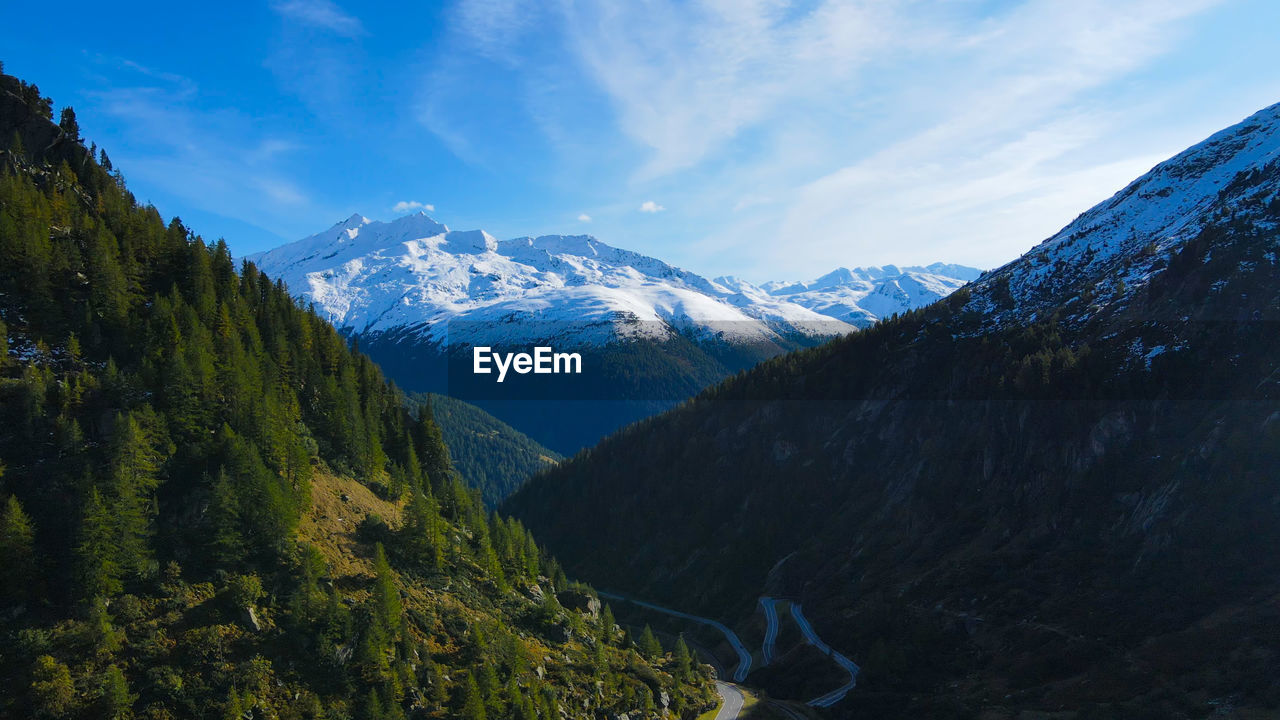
column 850, row 666
column 744, row 656
column 771, row 628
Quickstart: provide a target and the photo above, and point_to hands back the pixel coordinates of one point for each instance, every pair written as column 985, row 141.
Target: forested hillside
column 491, row 456
column 211, row 507
column 1053, row 494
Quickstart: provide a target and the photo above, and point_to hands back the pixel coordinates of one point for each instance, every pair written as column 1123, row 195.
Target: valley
column 1015, row 480
column 383, row 471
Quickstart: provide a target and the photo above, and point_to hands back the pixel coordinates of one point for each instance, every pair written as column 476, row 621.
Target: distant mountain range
column 416, row 295
column 1052, row 494
column 455, row 286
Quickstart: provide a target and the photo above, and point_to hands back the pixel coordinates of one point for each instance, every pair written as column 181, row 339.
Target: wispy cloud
column 318, row 57
column 649, row 206
column 228, row 165
column 859, row 131
column 405, row 206
column 585, row 218
column 320, row 14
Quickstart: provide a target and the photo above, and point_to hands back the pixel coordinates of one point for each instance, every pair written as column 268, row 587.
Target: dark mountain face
column 1058, row 489
column 491, row 456
column 621, row 382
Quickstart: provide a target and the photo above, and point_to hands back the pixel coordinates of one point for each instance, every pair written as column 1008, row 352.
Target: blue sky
column 766, row 139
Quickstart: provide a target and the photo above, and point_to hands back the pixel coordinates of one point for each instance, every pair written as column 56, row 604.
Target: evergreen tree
column 224, row 521
column 649, row 645
column 387, row 608
column 421, row 535
column 132, row 481
column 683, row 660
column 372, row 709
column 53, row 694
column 472, row 707
column 17, row 553
column 117, row 701
column 68, row 123
column 101, row 633
column 99, row 570
column 607, row 624
column 232, row 707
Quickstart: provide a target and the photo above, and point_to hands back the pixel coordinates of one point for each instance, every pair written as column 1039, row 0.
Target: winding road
column 744, row 655
column 732, row 696
column 850, row 666
column 771, row 628
column 732, row 701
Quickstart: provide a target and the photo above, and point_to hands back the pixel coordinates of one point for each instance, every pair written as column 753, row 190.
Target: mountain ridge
column 468, row 277
column 1051, row 492
column 417, row 296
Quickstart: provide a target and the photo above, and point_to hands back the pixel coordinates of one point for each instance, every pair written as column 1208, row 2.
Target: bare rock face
column 251, row 618
column 581, row 601
column 559, row 634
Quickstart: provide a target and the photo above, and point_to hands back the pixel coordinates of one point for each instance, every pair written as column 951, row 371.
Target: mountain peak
column 1117, row 246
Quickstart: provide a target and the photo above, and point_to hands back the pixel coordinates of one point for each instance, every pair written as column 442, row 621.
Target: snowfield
column 447, row 286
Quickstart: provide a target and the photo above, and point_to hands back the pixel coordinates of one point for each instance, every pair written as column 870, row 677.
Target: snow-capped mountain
column 416, row 294
column 449, row 286
column 1115, row 248
column 861, row 296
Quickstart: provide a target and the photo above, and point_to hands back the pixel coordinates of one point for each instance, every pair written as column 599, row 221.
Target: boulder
column 579, row 600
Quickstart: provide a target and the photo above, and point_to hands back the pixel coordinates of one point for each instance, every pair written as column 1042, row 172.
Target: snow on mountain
column 1115, row 247
column 862, row 296
column 454, row 286
column 462, row 286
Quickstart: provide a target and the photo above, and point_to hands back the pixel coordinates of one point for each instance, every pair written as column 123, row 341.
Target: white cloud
column 584, row 218
column 321, row 14
column 494, row 26
column 1016, row 149
column 686, row 79
column 405, row 206
column 649, row 206
column 240, row 172
column 809, row 134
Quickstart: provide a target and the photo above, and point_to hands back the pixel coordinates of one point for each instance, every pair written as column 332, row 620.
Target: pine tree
column 17, row 553
column 99, row 570
column 472, row 701
column 133, row 479
column 232, row 707
column 431, row 451
column 649, row 645
column 421, row 535
column 53, row 695
column 387, row 608
column 117, row 701
column 102, row 634
column 683, row 660
column 372, row 709
column 68, row 123
column 225, row 539
column 607, row 624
